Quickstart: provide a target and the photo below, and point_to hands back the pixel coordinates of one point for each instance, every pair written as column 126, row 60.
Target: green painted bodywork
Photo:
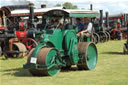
column 65, row 41
column 83, row 15
column 64, row 44
column 53, row 62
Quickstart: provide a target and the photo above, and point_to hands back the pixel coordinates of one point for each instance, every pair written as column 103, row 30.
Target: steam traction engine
column 59, row 47
column 18, row 42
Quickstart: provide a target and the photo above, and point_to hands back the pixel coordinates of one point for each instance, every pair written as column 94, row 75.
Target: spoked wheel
column 97, row 38
column 29, row 43
column 88, row 56
column 108, row 35
column 46, row 56
column 103, row 36
column 19, row 47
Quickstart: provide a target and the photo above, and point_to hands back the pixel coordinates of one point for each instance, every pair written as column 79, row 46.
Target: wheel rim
column 53, row 53
column 97, row 38
column 103, row 36
column 91, row 56
column 108, row 35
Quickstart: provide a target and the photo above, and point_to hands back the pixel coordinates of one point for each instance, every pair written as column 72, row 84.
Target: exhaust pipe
column 107, row 20
column 31, row 17
column 13, row 7
column 32, row 29
column 43, row 5
column 101, row 20
column 91, row 7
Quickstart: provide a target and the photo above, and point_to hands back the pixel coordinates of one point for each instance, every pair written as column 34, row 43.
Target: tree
column 74, row 7
column 67, row 5
column 58, row 5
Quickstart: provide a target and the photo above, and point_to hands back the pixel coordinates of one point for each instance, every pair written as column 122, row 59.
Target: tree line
column 67, row 5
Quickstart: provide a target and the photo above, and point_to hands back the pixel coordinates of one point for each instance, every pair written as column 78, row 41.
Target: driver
column 56, row 24
column 87, row 30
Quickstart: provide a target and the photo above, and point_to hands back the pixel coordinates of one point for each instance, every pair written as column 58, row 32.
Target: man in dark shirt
column 87, row 29
column 79, row 24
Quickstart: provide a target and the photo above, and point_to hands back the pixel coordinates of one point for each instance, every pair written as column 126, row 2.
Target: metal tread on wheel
column 46, row 57
column 88, row 56
column 19, row 50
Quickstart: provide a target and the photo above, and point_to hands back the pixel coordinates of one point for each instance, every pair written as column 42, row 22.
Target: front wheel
column 19, row 47
column 46, row 57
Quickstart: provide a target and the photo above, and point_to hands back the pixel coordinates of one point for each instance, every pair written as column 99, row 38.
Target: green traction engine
column 59, row 47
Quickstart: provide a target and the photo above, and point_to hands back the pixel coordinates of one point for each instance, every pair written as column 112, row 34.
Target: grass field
column 112, row 69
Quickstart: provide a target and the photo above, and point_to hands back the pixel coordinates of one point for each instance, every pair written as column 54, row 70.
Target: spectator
column 113, row 33
column 119, row 32
column 22, row 24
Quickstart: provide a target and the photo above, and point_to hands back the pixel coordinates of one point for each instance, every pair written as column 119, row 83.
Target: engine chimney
column 31, row 17
column 43, row 5
column 101, row 20
column 107, row 20
column 91, row 7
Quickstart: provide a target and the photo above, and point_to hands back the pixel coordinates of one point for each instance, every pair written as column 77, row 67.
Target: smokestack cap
column 31, row 5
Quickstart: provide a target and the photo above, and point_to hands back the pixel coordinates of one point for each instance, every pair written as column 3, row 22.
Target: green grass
column 112, row 69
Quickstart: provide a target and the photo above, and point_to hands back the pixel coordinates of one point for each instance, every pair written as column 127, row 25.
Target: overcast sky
column 112, row 6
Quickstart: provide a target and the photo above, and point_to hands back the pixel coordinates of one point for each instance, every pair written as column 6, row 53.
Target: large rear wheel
column 108, row 35
column 46, row 56
column 87, row 55
column 103, row 36
column 97, row 38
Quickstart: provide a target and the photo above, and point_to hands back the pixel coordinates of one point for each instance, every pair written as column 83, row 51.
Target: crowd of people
column 85, row 27
column 117, row 31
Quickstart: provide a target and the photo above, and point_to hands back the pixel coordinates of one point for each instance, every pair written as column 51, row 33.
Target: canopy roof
column 41, row 11
column 82, row 13
column 72, row 13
